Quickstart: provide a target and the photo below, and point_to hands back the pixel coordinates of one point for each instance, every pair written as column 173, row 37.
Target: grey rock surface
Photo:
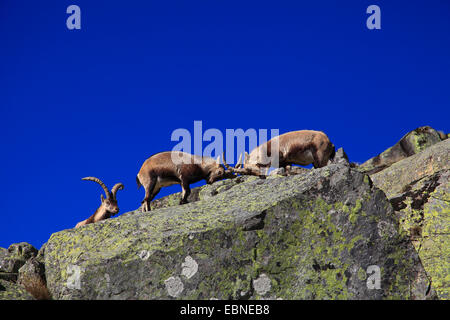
column 315, row 235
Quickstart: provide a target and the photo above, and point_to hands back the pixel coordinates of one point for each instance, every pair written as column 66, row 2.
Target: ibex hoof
column 145, row 207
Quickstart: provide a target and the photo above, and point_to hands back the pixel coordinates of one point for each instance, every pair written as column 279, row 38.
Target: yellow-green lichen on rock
column 429, row 228
column 394, row 179
column 303, row 236
column 419, row 189
column 411, row 143
column 13, row 291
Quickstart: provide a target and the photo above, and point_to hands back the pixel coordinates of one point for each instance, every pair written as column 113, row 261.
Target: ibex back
column 176, row 167
column 302, row 147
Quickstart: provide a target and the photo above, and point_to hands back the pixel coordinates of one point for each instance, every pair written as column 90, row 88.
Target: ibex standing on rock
column 109, row 205
column 176, row 167
column 297, row 147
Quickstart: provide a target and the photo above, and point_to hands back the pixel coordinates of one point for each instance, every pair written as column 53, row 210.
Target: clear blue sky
column 100, row 100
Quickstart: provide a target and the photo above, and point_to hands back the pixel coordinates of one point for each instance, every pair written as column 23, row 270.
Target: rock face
column 419, row 190
column 328, row 233
column 394, row 179
column 12, row 260
column 11, row 291
column 413, row 142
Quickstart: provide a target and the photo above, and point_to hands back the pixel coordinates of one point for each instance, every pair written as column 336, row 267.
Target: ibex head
column 110, row 202
column 248, row 169
column 217, row 172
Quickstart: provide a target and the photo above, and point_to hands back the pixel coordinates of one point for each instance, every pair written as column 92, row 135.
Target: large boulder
column 22, row 273
column 324, row 234
column 31, row 276
column 419, row 190
column 395, row 179
column 412, row 143
column 13, row 258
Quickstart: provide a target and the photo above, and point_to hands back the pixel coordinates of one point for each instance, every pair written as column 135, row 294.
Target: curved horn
column 117, row 186
column 100, row 183
column 225, row 163
column 239, row 164
column 236, row 169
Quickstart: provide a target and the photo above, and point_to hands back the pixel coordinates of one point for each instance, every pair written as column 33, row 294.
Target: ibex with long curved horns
column 176, row 167
column 301, row 147
column 109, row 205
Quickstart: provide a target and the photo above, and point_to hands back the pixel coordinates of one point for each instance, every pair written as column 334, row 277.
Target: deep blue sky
column 100, row 100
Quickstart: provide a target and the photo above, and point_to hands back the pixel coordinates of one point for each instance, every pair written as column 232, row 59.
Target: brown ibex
column 176, row 167
column 109, row 205
column 297, row 147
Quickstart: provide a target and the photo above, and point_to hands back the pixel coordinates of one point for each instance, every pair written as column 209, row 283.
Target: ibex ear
column 247, row 156
column 218, row 160
column 101, row 197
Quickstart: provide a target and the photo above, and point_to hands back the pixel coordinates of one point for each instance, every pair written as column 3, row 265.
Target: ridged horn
column 100, row 182
column 239, row 164
column 117, row 186
column 236, row 169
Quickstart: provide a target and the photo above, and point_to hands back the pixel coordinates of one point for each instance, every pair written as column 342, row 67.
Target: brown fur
column 302, row 147
column 37, row 287
column 160, row 171
column 101, row 213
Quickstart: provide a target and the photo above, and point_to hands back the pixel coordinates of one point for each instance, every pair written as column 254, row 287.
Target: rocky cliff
column 419, row 190
column 338, row 232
